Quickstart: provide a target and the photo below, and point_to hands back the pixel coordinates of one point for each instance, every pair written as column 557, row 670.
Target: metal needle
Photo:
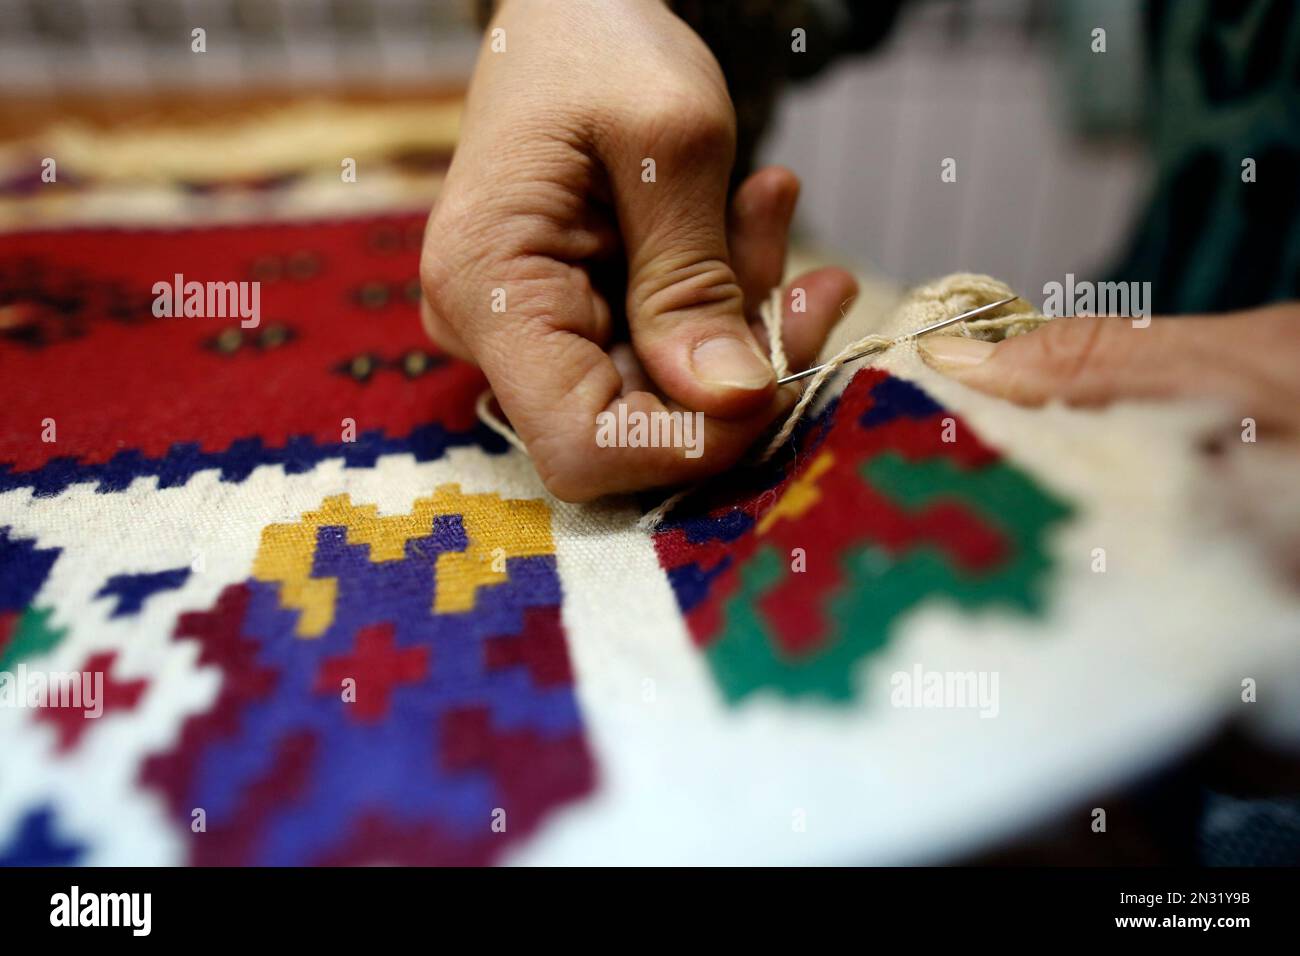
column 943, row 324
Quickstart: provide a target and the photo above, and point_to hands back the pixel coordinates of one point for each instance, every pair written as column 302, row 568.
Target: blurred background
column 117, row 46
column 1050, row 180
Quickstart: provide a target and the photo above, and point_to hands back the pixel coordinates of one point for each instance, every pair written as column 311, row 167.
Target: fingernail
column 954, row 353
column 725, row 360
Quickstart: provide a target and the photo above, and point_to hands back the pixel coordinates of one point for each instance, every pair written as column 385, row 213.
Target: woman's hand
column 1250, row 361
column 589, row 196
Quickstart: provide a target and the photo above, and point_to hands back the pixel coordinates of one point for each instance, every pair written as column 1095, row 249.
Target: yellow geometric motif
column 496, row 530
column 800, row 496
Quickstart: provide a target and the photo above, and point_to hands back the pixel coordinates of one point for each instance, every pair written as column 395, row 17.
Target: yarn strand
column 771, row 312
column 483, row 408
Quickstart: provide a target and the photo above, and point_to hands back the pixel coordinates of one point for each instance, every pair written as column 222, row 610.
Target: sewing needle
column 943, row 324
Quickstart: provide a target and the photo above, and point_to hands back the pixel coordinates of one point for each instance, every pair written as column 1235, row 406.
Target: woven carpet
column 271, row 595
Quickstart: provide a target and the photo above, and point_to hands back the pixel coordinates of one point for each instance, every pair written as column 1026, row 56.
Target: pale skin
column 547, row 199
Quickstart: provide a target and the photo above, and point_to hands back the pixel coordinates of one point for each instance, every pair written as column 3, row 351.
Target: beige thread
column 483, row 408
column 771, row 313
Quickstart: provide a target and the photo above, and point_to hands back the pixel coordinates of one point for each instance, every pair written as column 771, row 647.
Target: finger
column 685, row 304
column 759, row 231
column 1089, row 361
column 615, row 464
column 553, row 384
column 584, row 451
column 814, row 304
column 629, row 368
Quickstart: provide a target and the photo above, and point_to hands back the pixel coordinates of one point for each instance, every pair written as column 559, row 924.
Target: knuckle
column 437, row 276
column 1074, row 346
column 462, row 266
column 709, row 132
column 563, row 473
column 442, row 335
column 679, row 123
column 669, row 289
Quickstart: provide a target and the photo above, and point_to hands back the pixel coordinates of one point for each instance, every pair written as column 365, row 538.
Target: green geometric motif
column 1003, row 497
column 879, row 587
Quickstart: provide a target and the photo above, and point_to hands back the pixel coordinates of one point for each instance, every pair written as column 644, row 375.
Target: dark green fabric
column 1223, row 81
column 754, row 42
column 1224, row 87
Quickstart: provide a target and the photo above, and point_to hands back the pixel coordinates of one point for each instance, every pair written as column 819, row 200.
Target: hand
column 1249, row 361
column 550, row 213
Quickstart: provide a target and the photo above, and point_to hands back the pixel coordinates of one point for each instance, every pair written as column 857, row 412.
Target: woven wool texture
column 892, row 513
column 338, row 620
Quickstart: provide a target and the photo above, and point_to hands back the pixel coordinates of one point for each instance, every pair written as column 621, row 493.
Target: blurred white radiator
column 980, row 82
column 83, row 45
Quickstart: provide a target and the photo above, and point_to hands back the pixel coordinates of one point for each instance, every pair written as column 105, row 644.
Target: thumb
column 685, row 306
column 1086, row 361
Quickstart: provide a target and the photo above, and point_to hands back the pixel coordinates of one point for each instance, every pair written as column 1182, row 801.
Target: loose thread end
column 483, row 408
column 652, row 519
